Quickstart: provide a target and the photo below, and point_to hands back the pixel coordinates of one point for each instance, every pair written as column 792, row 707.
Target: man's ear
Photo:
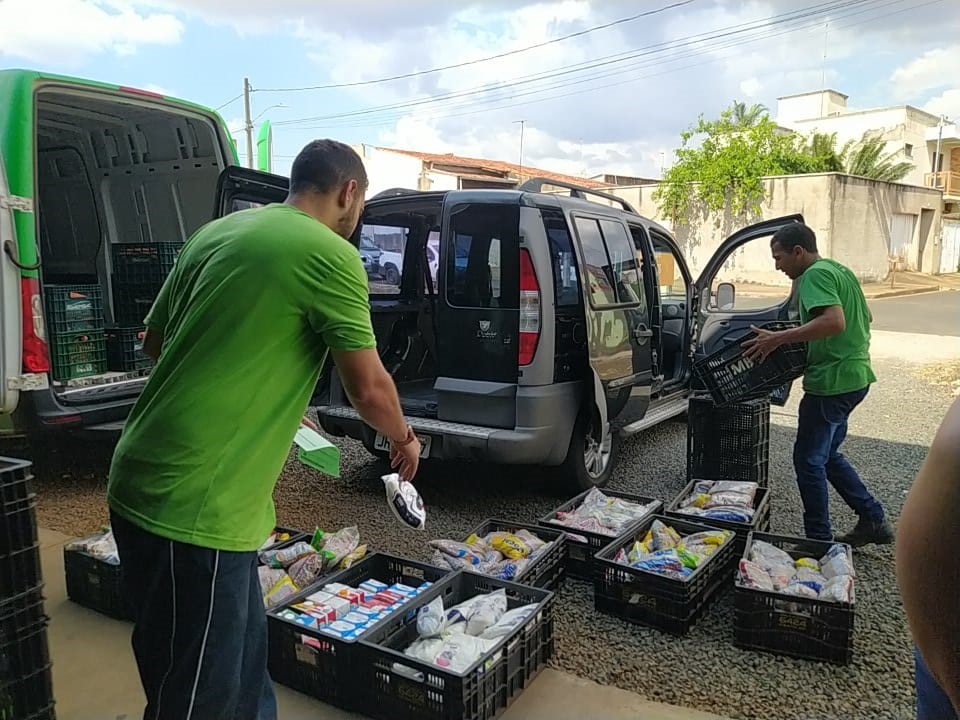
column 347, row 194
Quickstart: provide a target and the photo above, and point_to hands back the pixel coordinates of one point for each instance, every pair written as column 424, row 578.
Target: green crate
column 73, row 308
column 76, row 355
column 125, row 349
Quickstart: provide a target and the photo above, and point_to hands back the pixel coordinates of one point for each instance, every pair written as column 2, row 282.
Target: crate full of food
column 592, row 520
column 730, row 376
column 508, row 550
column 733, row 505
column 291, row 561
column 93, row 575
column 313, row 634
column 469, row 647
column 795, row 597
column 664, row 574
column 125, row 351
column 73, row 308
column 78, row 354
column 730, row 442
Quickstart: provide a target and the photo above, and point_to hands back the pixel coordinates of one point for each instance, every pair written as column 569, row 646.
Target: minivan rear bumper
column 41, row 411
column 546, row 416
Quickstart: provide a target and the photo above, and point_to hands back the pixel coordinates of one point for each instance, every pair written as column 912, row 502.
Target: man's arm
column 928, row 565
column 372, row 391
column 827, row 322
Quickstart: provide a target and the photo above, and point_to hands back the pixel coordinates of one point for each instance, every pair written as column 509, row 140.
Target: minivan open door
column 722, row 315
column 239, row 188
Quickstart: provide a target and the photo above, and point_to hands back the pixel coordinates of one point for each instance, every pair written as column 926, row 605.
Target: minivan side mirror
column 726, row 296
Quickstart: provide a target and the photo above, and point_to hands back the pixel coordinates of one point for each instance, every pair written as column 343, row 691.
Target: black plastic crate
column 580, row 555
column 647, row 598
column 729, row 376
column 21, row 614
column 18, row 526
column 760, row 522
column 125, row 349
column 96, row 584
column 73, row 308
column 28, row 697
column 322, row 666
column 146, row 264
column 793, row 626
column 132, row 303
column 78, row 354
column 550, row 569
column 16, row 479
column 730, row 442
column 422, row 691
column 20, row 571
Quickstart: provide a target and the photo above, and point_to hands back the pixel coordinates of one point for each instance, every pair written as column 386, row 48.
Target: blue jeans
column 200, row 632
column 932, row 701
column 821, row 429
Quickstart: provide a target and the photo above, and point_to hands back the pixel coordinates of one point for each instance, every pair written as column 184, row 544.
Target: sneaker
column 868, row 532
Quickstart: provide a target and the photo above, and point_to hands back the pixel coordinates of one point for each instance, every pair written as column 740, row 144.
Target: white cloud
column 947, row 103
column 68, row 31
column 751, row 87
column 930, row 71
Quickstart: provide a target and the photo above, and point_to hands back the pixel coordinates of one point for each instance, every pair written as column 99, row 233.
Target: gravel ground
column 888, row 439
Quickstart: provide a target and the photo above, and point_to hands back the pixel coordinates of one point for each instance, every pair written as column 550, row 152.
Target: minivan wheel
column 590, row 461
column 391, row 275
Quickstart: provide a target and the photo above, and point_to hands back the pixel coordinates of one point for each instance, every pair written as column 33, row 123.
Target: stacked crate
column 75, row 326
column 26, row 684
column 139, row 270
column 730, row 442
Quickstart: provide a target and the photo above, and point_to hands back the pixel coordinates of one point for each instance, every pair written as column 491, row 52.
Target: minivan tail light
column 529, row 309
column 36, row 359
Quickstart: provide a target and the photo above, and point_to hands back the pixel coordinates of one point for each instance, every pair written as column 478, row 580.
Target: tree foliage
column 721, row 163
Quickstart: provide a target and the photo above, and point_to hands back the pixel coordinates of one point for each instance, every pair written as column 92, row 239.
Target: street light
column 278, row 105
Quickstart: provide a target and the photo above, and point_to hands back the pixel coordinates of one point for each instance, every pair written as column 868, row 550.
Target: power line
column 604, row 61
column 345, row 123
column 498, row 56
column 229, row 102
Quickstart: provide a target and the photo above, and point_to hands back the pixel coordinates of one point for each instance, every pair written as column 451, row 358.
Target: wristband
column 407, row 440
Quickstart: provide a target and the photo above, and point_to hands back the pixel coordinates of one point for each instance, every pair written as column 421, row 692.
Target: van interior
column 114, row 170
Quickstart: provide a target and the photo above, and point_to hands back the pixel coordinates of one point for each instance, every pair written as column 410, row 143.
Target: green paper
column 317, row 452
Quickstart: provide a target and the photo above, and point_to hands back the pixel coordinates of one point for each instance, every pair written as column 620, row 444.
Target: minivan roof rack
column 536, row 184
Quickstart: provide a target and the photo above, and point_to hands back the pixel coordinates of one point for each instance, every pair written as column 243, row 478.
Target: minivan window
column 596, row 263
column 483, row 256
column 384, row 261
column 623, row 261
column 566, row 284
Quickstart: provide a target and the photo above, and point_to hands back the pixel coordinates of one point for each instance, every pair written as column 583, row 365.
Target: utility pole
column 522, row 124
column 247, row 122
column 936, row 155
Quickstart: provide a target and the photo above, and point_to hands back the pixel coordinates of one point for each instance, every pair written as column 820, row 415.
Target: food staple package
column 499, row 554
column 663, row 551
column 101, row 546
column 721, row 500
column 829, row 578
column 604, row 515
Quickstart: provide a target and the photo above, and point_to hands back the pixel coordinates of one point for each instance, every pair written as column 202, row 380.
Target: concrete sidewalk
column 95, row 678
column 904, row 283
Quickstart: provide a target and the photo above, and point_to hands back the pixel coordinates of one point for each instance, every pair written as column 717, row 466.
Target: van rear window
column 483, row 256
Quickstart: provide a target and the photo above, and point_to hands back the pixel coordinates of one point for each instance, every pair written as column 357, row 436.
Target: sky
column 599, row 85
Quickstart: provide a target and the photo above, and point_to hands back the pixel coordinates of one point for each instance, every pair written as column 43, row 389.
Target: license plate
column 382, row 443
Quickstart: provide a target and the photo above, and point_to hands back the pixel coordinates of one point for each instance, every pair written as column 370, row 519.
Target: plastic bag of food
column 729, row 513
column 355, row 555
column 780, row 575
column 306, row 571
column 442, row 560
column 424, row 649
column 663, row 536
column 456, row 549
column 743, row 487
column 480, row 611
column 764, row 551
column 837, row 562
column 102, row 546
column 285, row 557
column 540, row 551
column 622, row 557
column 507, row 569
column 838, row 588
column 405, row 501
column 811, row 578
column 754, row 576
column 510, row 546
column 799, row 589
column 269, row 577
column 636, row 553
column 808, row 563
column 459, row 652
column 532, row 542
column 728, row 499
column 282, row 591
column 337, row 546
column 511, row 620
column 663, row 562
column 689, row 559
column 709, row 539
column 696, row 500
column 431, row 619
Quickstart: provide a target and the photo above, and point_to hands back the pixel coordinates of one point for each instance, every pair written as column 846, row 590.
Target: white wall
column 387, row 170
column 809, row 106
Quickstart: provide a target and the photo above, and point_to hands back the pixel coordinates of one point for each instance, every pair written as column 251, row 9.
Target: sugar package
column 340, row 605
column 372, row 586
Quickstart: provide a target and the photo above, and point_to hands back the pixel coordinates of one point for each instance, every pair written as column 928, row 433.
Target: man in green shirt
column 836, row 327
column 240, row 331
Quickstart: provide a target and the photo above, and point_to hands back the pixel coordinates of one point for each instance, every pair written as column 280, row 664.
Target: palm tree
column 866, row 158
column 744, row 116
column 821, row 148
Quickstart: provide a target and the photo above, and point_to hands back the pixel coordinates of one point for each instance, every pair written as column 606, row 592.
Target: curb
column 900, row 293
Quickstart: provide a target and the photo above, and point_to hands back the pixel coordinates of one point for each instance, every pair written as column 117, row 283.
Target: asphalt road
column 927, row 314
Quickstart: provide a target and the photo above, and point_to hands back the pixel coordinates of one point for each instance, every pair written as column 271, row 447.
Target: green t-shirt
column 838, row 364
column 247, row 315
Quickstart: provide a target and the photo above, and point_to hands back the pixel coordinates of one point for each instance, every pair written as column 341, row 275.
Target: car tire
column 588, row 465
column 391, row 275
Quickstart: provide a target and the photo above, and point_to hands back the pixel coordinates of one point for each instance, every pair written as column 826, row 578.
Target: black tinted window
column 566, row 283
column 623, row 262
column 599, row 273
column 483, row 256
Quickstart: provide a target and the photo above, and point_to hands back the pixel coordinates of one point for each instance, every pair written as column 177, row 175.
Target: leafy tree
column 866, row 158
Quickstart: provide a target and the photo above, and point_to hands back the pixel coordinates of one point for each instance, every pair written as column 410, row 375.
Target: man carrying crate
column 836, row 327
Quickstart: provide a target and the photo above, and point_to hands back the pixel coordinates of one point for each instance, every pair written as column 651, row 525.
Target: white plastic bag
column 511, row 620
column 480, row 612
column 405, row 501
column 431, row 619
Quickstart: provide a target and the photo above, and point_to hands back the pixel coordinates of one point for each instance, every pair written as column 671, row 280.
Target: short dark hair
column 325, row 165
column 793, row 235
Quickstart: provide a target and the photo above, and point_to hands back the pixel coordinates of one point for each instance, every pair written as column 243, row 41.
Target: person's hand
column 309, row 423
column 405, row 459
column 759, row 347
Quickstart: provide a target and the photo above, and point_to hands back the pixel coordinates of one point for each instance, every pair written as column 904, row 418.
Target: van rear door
column 11, row 335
